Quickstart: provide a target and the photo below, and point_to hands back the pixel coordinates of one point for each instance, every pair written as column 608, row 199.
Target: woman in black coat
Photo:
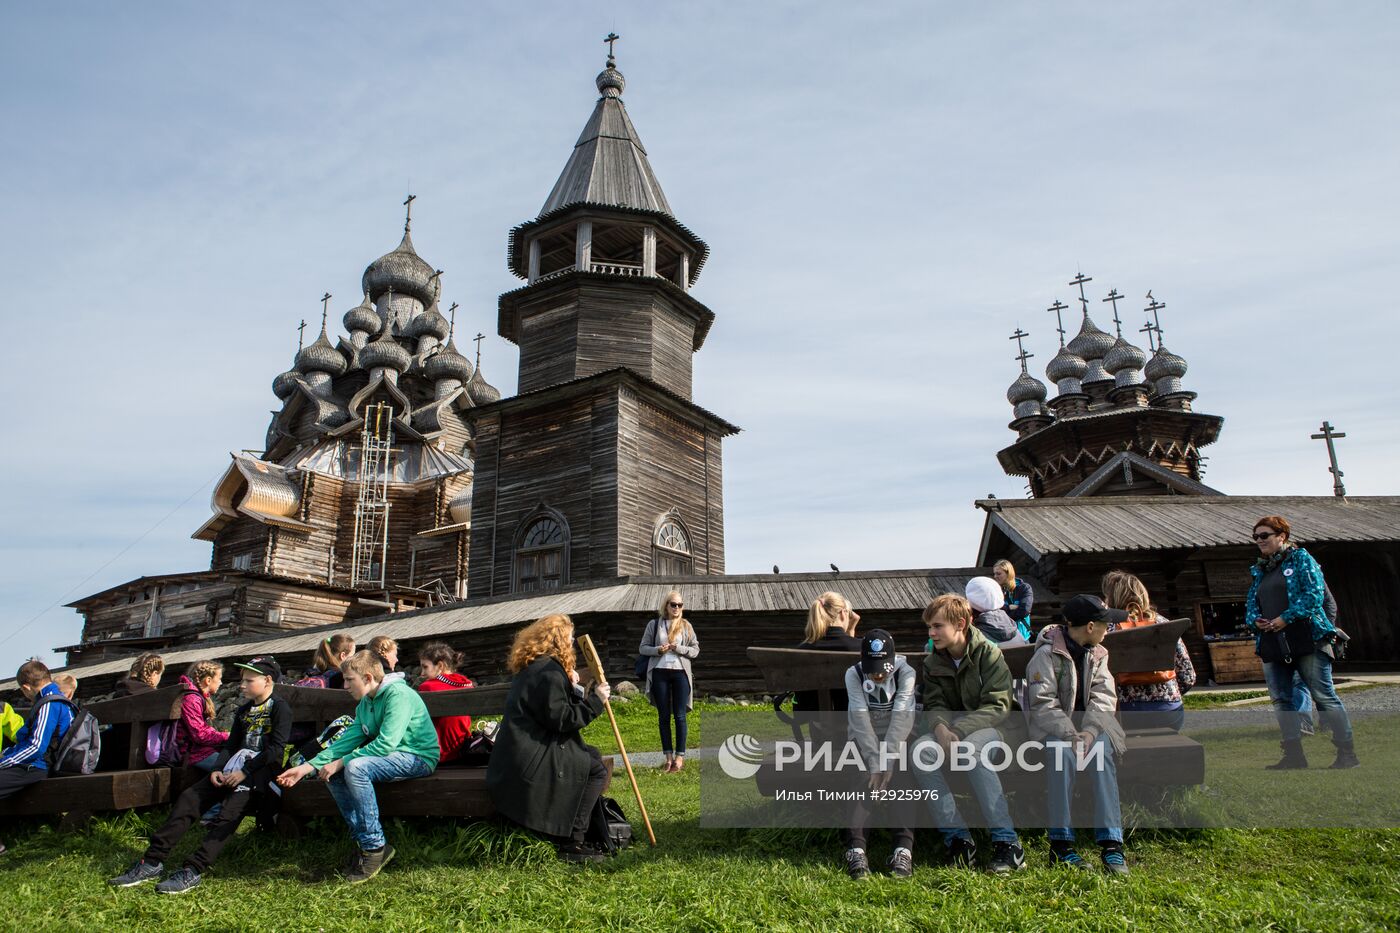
column 541, row 774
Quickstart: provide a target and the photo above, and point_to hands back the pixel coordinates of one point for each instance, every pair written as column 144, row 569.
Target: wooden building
column 360, row 501
column 1114, row 470
column 602, row 466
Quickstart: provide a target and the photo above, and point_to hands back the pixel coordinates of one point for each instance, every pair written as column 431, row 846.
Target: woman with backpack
column 669, row 644
column 1155, row 697
column 440, row 663
column 195, row 735
column 324, row 671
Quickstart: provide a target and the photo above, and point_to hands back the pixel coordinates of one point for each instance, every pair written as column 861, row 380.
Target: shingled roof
column 1041, row 527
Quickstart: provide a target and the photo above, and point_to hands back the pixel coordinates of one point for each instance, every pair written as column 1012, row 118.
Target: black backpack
column 77, row 750
column 608, row 829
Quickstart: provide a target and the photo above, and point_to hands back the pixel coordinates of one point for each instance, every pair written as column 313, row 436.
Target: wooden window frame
column 661, row 553
column 519, row 551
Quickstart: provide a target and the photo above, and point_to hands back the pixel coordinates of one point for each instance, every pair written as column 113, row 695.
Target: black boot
column 1346, row 757
column 1293, row 757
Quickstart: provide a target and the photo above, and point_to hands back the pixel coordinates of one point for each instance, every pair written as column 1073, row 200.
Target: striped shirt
column 32, row 742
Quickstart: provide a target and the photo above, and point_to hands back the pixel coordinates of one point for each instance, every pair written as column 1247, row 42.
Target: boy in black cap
column 879, row 713
column 1071, row 698
column 260, row 730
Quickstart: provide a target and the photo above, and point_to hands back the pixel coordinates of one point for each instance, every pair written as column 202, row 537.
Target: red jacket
column 196, row 739
column 453, row 731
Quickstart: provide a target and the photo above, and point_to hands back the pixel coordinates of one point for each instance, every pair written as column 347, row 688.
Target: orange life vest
column 1142, row 677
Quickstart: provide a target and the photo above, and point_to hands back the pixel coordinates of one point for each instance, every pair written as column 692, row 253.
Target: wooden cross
column 479, row 337
column 1113, row 296
column 1022, row 355
column 408, row 211
column 612, row 37
column 1057, row 307
column 452, row 316
column 301, row 334
column 325, row 308
column 1153, row 306
column 1079, row 280
column 1149, row 330
column 1330, row 434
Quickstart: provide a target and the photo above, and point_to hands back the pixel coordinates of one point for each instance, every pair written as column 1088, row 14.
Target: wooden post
column 534, row 271
column 595, row 666
column 684, row 279
column 649, row 251
column 583, row 246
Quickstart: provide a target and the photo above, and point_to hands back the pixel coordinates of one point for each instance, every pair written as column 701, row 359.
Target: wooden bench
column 125, row 782
column 1153, row 756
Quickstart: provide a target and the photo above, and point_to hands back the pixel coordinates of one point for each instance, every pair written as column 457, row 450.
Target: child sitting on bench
column 392, row 739
column 260, row 730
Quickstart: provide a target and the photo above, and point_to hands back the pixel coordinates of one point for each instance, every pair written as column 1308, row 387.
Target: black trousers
column 196, row 799
column 14, row 780
column 597, row 780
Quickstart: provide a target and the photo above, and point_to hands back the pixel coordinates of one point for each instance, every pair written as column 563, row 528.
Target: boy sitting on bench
column 26, row 761
column 260, row 730
column 391, row 739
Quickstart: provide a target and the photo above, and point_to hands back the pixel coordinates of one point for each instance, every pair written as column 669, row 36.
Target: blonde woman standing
column 669, row 644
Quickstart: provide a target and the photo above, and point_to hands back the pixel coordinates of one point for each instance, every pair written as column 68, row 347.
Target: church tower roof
column 609, row 163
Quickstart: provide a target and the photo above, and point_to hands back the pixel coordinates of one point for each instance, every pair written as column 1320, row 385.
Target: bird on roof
column 775, row 568
column 834, row 568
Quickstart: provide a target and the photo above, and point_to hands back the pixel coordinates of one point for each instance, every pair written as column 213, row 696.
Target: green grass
column 450, row 876
column 1216, row 700
column 463, row 876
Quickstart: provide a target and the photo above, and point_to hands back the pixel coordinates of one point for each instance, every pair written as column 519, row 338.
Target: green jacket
column 394, row 719
column 975, row 694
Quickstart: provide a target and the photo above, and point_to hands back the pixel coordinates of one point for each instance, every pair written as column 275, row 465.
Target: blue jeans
column 353, row 790
column 1302, row 696
column 986, row 785
column 1060, row 773
column 670, row 689
column 1316, row 671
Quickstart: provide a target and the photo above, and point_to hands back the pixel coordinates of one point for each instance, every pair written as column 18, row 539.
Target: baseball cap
column 265, row 665
column 1083, row 609
column 877, row 652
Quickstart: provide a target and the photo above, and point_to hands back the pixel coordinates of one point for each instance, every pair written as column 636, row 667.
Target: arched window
column 670, row 547
column 542, row 552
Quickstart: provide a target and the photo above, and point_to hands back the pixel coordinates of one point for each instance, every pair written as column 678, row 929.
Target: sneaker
column 140, row 872
column 962, row 852
column 352, row 864
column 857, row 865
column 1006, row 858
column 1062, row 853
column 901, row 864
column 579, row 853
column 370, row 864
column 180, row 881
column 1114, row 861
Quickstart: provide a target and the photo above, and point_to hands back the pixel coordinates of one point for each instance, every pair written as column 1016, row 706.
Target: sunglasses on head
column 676, row 605
column 1264, row 537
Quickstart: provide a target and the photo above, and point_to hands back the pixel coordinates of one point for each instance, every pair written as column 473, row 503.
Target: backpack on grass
column 608, row 829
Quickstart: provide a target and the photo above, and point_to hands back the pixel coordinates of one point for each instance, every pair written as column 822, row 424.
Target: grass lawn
column 474, row 876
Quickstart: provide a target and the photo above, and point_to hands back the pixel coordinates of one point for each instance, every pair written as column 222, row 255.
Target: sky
column 888, row 191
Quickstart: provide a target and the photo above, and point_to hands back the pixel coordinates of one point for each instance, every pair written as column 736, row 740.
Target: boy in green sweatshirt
column 391, row 739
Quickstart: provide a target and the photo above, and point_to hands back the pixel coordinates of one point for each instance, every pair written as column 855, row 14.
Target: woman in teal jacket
column 1293, row 635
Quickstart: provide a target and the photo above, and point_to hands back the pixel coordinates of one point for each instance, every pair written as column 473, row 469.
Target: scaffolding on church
column 369, row 561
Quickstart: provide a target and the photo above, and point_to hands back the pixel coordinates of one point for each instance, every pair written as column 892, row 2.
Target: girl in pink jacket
column 196, row 737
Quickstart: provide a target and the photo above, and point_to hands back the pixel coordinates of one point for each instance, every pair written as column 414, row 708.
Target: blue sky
column 888, row 191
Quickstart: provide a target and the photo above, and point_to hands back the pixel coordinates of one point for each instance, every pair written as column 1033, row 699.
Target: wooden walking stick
column 595, row 666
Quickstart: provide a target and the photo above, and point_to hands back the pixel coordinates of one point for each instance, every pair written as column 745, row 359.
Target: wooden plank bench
column 124, row 782
column 1153, row 756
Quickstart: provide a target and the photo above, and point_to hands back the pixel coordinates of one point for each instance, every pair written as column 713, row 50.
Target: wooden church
column 389, row 441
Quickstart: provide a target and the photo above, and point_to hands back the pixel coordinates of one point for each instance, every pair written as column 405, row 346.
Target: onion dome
column 363, row 318
column 1091, row 343
column 481, row 391
column 384, row 352
column 429, row 323
column 460, row 508
column 1066, row 365
column 285, row 384
column 448, row 364
column 402, row 271
column 321, row 357
column 1123, row 361
column 610, row 81
column 1165, row 365
column 1026, row 388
